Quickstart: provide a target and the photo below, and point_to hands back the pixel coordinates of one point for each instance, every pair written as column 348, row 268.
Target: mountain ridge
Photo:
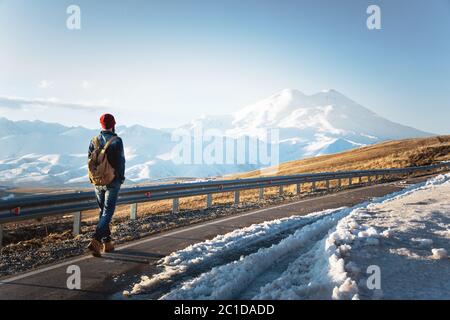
column 41, row 153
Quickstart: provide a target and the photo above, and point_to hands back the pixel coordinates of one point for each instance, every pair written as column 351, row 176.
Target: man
column 107, row 175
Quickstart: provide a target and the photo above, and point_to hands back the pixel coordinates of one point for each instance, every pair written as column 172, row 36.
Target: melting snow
column 325, row 255
column 439, row 253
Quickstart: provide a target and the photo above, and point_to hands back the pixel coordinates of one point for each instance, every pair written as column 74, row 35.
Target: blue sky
column 163, row 63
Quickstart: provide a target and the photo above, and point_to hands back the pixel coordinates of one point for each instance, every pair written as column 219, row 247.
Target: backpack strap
column 96, row 142
column 108, row 144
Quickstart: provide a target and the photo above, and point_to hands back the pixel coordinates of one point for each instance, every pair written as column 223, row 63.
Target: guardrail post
column 76, row 223
column 359, row 180
column 133, row 211
column 299, row 188
column 236, row 198
column 313, row 186
column 175, row 205
column 350, row 181
column 369, row 179
column 209, row 200
column 280, row 191
column 339, row 183
column 1, row 236
column 261, row 193
column 327, row 184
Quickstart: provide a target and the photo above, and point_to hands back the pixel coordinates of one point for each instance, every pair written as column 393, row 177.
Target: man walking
column 106, row 164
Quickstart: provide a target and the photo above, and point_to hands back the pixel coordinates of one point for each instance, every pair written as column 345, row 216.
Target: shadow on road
column 132, row 256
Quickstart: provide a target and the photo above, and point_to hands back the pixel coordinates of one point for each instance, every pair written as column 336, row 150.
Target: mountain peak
column 294, row 94
column 290, row 93
column 326, row 111
column 329, row 91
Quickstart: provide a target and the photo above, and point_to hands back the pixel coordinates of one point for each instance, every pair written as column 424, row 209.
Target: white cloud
column 53, row 110
column 22, row 103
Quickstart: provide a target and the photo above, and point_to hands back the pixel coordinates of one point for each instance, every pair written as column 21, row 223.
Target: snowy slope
column 39, row 153
column 324, row 255
column 34, row 153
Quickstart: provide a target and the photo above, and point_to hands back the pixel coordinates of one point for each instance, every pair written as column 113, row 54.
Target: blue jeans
column 106, row 200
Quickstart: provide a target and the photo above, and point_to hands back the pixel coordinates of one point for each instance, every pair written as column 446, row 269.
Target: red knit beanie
column 107, row 121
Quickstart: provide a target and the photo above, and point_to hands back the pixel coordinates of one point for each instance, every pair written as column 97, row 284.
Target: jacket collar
column 108, row 133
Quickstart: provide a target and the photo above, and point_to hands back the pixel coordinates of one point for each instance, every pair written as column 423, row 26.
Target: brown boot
column 108, row 246
column 95, row 247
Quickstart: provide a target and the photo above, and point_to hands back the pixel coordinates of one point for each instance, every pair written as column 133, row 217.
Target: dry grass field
column 391, row 154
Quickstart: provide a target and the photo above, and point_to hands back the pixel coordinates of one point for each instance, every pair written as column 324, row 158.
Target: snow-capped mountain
column 38, row 153
column 309, row 125
column 327, row 112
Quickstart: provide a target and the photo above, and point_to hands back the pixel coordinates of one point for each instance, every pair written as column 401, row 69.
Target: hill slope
column 390, row 154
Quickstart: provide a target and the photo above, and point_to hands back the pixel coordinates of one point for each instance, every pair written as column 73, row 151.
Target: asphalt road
column 107, row 277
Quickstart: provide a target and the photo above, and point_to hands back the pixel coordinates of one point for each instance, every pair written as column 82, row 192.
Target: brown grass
column 391, row 154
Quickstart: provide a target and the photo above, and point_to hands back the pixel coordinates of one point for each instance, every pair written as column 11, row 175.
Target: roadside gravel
column 40, row 250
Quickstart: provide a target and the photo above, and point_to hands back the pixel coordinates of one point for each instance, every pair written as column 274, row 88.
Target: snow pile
column 227, row 281
column 349, row 234
column 407, row 213
column 146, row 282
column 347, row 289
column 323, row 272
column 422, row 242
column 211, row 252
column 236, row 239
column 387, row 233
column 442, row 179
column 305, row 278
column 318, row 274
column 439, row 253
column 313, row 279
column 438, row 180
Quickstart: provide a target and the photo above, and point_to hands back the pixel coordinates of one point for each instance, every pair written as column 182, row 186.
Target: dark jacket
column 115, row 154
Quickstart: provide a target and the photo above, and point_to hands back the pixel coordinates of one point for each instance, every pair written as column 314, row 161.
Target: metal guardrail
column 38, row 206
